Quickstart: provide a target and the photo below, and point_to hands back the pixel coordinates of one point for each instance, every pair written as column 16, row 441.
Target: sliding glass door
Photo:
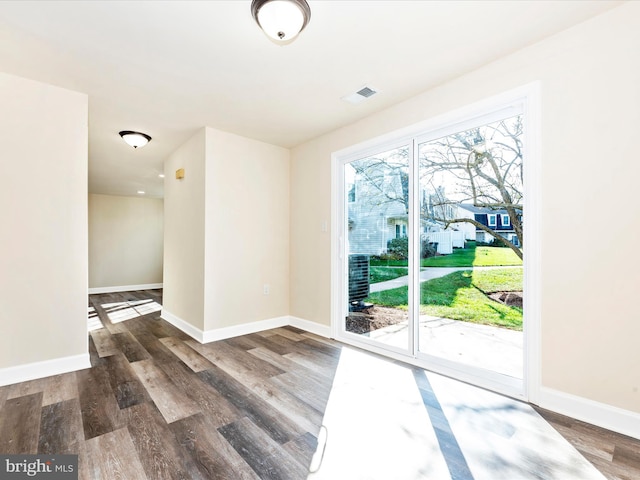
column 377, row 224
column 471, row 286
column 431, row 242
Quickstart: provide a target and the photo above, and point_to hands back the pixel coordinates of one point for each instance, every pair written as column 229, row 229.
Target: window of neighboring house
column 352, row 193
column 401, row 231
column 492, row 220
column 506, row 221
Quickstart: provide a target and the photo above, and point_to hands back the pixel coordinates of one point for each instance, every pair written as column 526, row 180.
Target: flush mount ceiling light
column 135, row 139
column 281, row 20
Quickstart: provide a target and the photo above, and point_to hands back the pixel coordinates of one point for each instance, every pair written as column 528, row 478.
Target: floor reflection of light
column 375, row 424
column 93, row 321
column 120, row 311
column 385, row 419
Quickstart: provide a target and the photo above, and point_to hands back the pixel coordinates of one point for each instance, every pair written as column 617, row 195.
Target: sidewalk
column 428, row 273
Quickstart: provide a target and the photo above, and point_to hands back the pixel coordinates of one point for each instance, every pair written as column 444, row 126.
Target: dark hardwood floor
column 158, row 405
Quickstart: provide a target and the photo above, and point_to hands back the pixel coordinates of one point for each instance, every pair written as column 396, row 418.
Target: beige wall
column 43, row 234
column 226, row 231
column 247, row 235
column 125, row 241
column 183, row 294
column 590, row 121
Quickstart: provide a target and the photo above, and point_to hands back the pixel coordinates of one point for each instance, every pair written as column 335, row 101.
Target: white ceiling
column 167, row 68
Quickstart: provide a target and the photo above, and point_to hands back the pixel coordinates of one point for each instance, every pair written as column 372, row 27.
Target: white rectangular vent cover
column 361, row 95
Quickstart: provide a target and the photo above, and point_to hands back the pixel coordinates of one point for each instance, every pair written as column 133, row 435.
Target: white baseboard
column 311, row 327
column 125, row 288
column 224, row 332
column 46, row 368
column 600, row 414
column 186, row 327
column 244, row 329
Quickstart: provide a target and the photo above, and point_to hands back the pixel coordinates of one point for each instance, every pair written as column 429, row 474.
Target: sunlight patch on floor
column 120, row 311
column 93, row 321
column 375, row 422
column 385, row 419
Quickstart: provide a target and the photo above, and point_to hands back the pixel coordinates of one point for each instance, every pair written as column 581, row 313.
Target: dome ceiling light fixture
column 281, row 20
column 135, row 139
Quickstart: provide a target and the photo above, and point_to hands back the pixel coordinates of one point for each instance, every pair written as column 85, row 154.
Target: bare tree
column 481, row 166
column 386, row 178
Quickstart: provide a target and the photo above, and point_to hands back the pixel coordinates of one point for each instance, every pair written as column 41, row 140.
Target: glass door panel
column 471, row 288
column 376, row 192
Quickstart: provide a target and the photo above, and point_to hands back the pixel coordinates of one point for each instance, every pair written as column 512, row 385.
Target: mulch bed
column 511, row 299
column 372, row 318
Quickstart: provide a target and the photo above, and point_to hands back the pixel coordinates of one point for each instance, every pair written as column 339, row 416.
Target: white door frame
column 525, row 99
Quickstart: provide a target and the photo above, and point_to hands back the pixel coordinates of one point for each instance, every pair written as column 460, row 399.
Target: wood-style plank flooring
column 158, row 405
column 617, row 456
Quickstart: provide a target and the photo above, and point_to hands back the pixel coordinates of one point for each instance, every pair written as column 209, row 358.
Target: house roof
column 168, row 68
column 474, row 209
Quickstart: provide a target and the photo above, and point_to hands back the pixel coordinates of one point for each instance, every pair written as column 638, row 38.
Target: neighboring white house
column 436, row 205
column 377, row 211
column 377, row 208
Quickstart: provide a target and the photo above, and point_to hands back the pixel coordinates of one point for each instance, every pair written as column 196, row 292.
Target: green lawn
column 473, row 256
column 376, row 262
column 382, row 274
column 470, row 256
column 461, row 296
column 498, row 280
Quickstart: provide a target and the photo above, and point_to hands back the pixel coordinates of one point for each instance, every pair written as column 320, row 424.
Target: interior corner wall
column 247, row 231
column 125, row 241
column 589, row 77
column 43, row 235
column 184, row 207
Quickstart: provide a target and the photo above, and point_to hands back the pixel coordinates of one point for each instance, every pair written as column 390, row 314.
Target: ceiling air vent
column 361, row 95
column 366, row 92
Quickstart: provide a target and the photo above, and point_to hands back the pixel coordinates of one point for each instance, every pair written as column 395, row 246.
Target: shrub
column 428, row 249
column 398, row 249
column 494, row 242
